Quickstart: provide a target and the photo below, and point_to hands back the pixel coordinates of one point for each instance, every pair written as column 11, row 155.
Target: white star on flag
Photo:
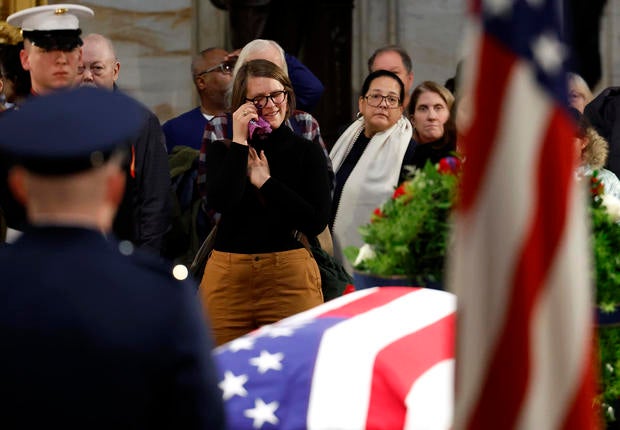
column 262, row 413
column 244, row 342
column 267, row 361
column 549, row 53
column 400, row 340
column 498, row 7
column 279, row 331
column 233, row 385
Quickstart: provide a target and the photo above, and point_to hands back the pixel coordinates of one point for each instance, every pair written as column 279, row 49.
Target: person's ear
column 116, row 187
column 25, row 59
column 116, row 69
column 200, row 82
column 17, row 184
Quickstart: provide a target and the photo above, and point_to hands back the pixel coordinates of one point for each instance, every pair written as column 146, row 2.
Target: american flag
column 380, row 358
column 520, row 264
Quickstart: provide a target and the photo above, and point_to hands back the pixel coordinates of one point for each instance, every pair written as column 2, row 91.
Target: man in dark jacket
column 94, row 335
column 143, row 215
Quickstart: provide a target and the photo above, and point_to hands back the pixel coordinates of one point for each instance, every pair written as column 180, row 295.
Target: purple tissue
column 260, row 127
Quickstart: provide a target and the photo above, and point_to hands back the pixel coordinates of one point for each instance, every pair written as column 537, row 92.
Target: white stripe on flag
column 485, row 273
column 344, row 365
column 565, row 310
column 430, row 402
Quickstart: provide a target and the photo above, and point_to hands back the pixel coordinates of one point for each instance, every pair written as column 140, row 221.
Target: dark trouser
column 241, row 292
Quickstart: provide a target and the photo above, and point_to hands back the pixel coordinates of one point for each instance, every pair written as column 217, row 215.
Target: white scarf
column 371, row 182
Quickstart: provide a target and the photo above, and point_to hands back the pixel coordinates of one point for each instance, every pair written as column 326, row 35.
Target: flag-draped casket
column 381, row 358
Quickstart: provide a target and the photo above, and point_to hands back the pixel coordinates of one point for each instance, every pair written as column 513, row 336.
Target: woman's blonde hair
column 596, row 151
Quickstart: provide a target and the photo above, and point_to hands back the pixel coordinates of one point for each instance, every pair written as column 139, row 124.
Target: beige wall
column 154, row 41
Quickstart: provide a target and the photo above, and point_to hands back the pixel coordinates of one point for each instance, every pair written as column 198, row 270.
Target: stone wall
column 155, row 40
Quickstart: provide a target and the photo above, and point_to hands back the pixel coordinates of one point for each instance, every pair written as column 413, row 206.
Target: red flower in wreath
column 596, row 186
column 450, row 165
column 400, row 191
column 376, row 215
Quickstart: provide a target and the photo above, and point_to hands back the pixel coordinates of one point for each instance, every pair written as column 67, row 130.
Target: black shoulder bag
column 334, row 277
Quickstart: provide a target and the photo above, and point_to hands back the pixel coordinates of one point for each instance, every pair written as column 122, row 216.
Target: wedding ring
column 246, row 112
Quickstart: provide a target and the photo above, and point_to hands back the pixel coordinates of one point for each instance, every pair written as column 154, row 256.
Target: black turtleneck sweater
column 433, row 151
column 296, row 197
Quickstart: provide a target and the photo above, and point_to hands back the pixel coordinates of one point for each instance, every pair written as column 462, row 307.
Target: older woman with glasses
column 266, row 183
column 369, row 158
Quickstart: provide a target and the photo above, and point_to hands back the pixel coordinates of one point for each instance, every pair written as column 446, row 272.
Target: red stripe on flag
column 580, row 414
column 380, row 297
column 475, row 7
column 391, row 382
column 489, row 97
column 510, row 366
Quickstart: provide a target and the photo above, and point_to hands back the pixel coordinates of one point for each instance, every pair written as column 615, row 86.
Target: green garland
column 606, row 247
column 409, row 232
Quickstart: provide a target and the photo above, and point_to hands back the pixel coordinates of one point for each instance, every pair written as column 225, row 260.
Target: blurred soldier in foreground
column 91, row 337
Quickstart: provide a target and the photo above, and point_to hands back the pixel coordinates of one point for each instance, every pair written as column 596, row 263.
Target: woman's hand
column 258, row 168
column 241, row 118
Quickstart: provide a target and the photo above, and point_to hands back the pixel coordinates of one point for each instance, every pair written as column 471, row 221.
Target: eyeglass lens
column 375, row 100
column 276, row 97
column 225, row 68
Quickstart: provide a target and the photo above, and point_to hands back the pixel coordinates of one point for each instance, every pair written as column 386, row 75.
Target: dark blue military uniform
column 94, row 334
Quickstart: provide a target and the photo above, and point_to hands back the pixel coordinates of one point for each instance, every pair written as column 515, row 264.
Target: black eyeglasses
column 277, row 97
column 225, row 68
column 375, row 100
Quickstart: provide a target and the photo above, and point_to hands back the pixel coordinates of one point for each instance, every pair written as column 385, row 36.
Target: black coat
column 94, row 339
column 143, row 217
column 295, row 197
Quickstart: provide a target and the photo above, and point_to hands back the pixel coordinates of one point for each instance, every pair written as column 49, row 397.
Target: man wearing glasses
column 211, row 73
column 143, row 216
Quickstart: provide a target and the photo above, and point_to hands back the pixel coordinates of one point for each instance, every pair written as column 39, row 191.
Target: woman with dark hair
column 267, row 183
column 368, row 159
column 16, row 80
column 434, row 129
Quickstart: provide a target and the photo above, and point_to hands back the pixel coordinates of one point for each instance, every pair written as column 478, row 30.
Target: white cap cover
column 50, row 17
